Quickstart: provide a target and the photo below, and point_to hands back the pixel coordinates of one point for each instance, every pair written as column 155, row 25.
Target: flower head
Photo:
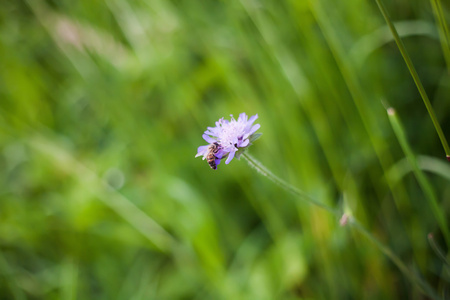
column 230, row 139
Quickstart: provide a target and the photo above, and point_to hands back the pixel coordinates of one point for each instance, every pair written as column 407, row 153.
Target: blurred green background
column 103, row 104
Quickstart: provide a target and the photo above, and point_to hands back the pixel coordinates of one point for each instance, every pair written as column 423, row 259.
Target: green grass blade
column 444, row 33
column 416, row 78
column 346, row 219
column 425, row 287
column 423, row 181
column 438, row 250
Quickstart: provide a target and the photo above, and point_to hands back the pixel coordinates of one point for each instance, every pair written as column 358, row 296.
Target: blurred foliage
column 103, row 104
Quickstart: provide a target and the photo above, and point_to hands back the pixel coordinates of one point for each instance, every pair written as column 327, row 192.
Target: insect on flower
column 228, row 139
column 211, row 155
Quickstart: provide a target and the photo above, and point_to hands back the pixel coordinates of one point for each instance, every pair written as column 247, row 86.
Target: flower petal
column 252, row 119
column 201, row 150
column 232, row 136
column 250, row 122
column 214, row 131
column 208, row 138
column 220, row 154
column 244, row 143
column 242, row 117
column 230, row 157
column 254, row 128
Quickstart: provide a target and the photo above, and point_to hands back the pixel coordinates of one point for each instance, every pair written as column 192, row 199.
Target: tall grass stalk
column 423, row 181
column 444, row 33
column 350, row 77
column 345, row 220
column 415, row 77
column 411, row 275
column 439, row 252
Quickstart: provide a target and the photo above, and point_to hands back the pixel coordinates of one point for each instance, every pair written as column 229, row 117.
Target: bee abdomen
column 211, row 159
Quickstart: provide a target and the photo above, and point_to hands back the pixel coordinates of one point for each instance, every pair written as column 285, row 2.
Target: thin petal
column 244, row 143
column 220, row 154
column 254, row 128
column 253, row 118
column 213, row 131
column 242, row 117
column 201, row 150
column 217, row 161
column 250, row 122
column 208, row 138
column 230, row 157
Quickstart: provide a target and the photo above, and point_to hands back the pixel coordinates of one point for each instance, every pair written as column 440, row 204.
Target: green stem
column 438, row 250
column 286, row 186
column 423, row 182
column 416, row 78
column 444, row 33
column 411, row 275
column 345, row 220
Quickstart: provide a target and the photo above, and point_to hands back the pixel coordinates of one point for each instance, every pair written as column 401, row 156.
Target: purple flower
column 228, row 139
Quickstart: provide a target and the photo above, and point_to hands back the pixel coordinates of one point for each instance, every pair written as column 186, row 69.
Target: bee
column 211, row 156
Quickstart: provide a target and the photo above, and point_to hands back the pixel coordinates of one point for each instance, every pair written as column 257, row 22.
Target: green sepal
column 254, row 137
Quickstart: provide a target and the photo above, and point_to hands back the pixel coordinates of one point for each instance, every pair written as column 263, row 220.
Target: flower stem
column 286, row 186
column 348, row 220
